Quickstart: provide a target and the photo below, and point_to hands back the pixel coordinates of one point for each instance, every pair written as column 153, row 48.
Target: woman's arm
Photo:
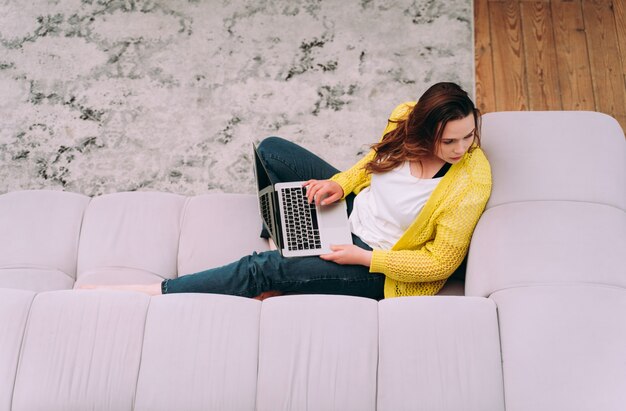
column 355, row 178
column 438, row 258
column 348, row 254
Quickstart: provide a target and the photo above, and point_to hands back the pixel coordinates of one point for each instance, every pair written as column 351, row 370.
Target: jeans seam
column 308, row 280
column 354, row 280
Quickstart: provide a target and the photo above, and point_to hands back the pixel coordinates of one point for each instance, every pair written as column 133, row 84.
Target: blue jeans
column 269, row 271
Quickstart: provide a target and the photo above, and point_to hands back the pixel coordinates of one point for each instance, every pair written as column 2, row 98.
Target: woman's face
column 456, row 139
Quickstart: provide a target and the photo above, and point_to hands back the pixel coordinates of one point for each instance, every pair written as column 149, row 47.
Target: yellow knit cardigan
column 436, row 242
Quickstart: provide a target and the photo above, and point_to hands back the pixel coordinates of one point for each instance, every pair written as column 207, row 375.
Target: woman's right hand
column 323, row 192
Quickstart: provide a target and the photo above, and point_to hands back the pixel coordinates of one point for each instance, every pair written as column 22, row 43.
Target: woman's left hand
column 348, row 254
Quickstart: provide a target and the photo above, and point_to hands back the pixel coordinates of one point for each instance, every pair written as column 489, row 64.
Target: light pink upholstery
column 558, row 203
column 132, row 235
column 35, row 279
column 218, row 229
column 14, row 309
column 439, row 353
column 563, row 347
column 318, row 353
column 39, row 235
column 526, row 243
column 550, row 251
column 200, row 352
column 116, row 276
column 555, row 155
column 81, row 351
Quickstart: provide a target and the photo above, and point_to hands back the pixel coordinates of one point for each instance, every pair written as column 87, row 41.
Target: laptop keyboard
column 266, row 212
column 300, row 220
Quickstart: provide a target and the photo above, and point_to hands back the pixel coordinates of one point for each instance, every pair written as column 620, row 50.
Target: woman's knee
column 272, row 144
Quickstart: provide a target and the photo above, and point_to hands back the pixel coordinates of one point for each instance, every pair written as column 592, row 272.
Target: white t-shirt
column 383, row 211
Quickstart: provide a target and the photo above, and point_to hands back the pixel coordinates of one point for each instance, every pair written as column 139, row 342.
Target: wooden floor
column 551, row 55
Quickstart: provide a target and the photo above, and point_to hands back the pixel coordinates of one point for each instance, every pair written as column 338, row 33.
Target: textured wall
column 100, row 96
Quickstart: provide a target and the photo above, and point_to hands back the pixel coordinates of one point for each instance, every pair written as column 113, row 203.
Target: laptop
column 298, row 228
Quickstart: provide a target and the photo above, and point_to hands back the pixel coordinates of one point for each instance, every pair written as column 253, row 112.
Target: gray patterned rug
column 101, row 96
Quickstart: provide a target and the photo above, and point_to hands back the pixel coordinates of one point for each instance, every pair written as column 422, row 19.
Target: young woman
column 413, row 201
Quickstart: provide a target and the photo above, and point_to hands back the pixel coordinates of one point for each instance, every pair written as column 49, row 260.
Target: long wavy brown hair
column 418, row 135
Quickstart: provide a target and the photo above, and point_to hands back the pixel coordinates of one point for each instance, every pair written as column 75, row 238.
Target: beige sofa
column 539, row 325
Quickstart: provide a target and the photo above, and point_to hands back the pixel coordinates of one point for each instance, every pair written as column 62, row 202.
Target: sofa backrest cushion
column 522, row 244
column 135, row 230
column 35, row 279
column 39, row 230
column 557, row 211
column 218, row 229
column 555, row 155
column 439, row 353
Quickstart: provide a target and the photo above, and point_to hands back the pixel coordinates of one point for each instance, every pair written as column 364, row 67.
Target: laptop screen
column 268, row 199
column 262, row 177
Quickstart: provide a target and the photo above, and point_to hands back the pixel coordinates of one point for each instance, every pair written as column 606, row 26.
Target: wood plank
column 508, row 56
column 540, row 55
column 485, row 89
column 621, row 119
column 572, row 56
column 606, row 70
column 619, row 9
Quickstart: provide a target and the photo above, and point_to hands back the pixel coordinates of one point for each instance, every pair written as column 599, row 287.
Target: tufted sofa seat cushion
column 563, row 347
column 76, row 350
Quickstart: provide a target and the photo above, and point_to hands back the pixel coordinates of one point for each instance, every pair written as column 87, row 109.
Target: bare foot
column 267, row 294
column 271, row 244
column 150, row 289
